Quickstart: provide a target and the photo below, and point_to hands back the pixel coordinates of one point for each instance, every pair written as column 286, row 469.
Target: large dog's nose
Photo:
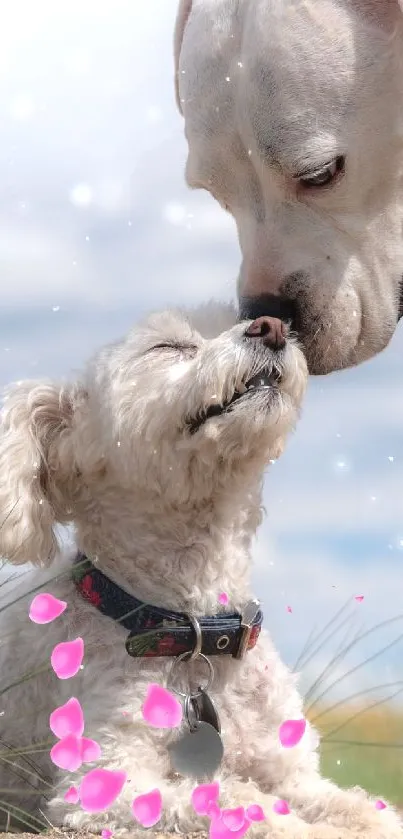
column 267, row 304
column 271, row 331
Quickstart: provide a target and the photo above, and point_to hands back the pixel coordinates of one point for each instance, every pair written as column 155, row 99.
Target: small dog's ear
column 34, row 442
column 182, row 17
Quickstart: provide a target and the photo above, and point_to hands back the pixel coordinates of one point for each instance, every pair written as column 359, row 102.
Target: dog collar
column 158, row 632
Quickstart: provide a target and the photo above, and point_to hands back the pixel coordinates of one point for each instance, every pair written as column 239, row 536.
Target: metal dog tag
column 206, row 710
column 199, row 752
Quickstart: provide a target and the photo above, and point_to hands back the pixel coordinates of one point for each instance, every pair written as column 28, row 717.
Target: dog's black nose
column 271, row 331
column 272, row 305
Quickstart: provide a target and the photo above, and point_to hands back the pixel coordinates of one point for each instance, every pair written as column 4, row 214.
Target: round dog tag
column 198, row 753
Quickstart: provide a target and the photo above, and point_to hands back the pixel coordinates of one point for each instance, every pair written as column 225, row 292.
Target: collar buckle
column 247, row 618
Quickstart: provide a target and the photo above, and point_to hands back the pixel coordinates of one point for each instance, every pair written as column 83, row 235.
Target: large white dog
column 157, row 455
column 294, row 119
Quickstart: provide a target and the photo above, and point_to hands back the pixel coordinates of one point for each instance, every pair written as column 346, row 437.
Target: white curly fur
column 171, row 516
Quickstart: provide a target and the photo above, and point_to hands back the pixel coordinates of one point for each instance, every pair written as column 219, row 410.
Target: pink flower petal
column 359, row 598
column 161, row 709
column 66, row 754
column 220, row 830
column 223, row 598
column 72, row 796
column 90, row 750
column 291, row 732
column 66, row 658
column 255, row 813
column 233, row 819
column 289, row 609
column 67, row 719
column 147, row 808
column 100, row 788
column 203, row 796
column 213, row 811
column 380, row 805
column 281, row 808
column 45, row 608
column 106, row 834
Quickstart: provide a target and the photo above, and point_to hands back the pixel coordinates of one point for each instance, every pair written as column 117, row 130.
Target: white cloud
column 22, row 107
column 338, row 507
column 81, row 195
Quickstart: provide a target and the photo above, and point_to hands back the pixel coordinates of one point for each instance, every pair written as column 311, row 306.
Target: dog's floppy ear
column 35, row 444
column 182, row 17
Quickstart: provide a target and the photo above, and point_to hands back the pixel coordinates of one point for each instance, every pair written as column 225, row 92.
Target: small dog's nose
column 272, row 331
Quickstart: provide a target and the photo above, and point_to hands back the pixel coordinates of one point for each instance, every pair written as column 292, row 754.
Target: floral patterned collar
column 158, row 632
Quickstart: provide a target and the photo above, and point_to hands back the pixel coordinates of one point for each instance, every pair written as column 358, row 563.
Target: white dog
column 294, row 119
column 157, row 456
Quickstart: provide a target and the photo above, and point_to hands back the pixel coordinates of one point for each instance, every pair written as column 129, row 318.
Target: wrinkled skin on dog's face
column 167, row 400
column 294, row 120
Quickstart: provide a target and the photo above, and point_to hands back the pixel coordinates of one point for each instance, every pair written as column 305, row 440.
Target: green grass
column 377, row 768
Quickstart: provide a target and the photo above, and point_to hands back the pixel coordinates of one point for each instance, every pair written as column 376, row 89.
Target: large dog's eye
column 325, row 175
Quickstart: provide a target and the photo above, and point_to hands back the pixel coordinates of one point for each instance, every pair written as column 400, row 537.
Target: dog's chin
column 325, row 354
column 258, row 393
column 251, row 431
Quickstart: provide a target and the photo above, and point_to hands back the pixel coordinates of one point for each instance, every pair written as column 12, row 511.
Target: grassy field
column 379, row 767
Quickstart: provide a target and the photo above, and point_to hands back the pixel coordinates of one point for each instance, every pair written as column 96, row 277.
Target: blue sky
column 97, row 226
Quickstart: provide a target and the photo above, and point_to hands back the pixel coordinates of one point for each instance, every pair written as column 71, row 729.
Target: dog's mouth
column 264, row 381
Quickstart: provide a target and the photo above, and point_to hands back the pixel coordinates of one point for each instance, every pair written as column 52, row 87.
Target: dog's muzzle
column 275, row 306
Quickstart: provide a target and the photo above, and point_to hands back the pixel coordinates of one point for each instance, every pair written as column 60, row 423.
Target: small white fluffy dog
column 164, row 489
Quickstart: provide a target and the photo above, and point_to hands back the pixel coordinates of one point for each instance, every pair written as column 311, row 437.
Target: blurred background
column 96, row 228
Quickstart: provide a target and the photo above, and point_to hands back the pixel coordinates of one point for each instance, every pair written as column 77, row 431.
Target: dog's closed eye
column 176, row 346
